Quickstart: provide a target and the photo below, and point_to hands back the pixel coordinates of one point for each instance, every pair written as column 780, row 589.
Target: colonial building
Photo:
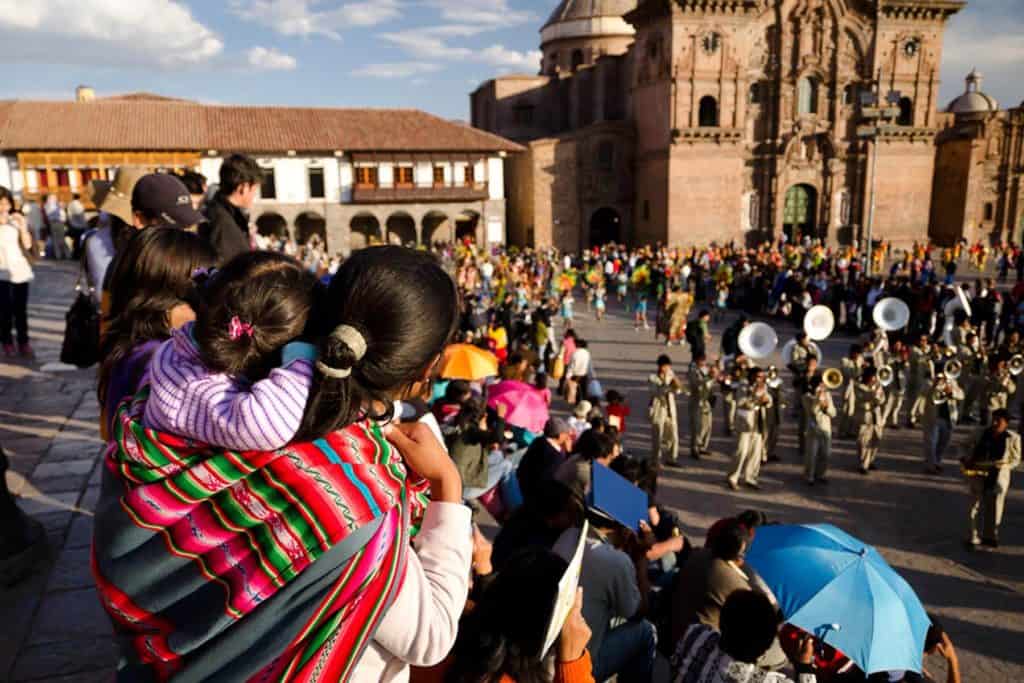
column 353, row 175
column 691, row 121
column 979, row 172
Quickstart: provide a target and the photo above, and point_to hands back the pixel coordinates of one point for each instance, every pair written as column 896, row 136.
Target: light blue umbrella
column 841, row 591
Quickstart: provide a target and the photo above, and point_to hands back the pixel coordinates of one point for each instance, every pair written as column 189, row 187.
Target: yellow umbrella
column 465, row 361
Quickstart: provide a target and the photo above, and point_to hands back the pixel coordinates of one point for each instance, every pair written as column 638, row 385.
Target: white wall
column 423, row 174
column 210, row 167
column 291, row 178
column 346, row 178
column 496, row 177
column 6, row 172
column 332, row 180
column 386, row 175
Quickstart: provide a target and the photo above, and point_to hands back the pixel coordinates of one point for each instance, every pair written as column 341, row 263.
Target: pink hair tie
column 237, row 329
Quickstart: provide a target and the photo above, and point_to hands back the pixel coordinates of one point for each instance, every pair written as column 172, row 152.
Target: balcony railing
column 375, row 195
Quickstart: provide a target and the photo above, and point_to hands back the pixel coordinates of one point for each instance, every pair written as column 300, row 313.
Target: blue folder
column 617, row 498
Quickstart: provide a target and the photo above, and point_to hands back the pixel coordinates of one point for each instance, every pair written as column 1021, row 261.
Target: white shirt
column 487, row 269
column 419, row 629
column 579, row 363
column 14, row 267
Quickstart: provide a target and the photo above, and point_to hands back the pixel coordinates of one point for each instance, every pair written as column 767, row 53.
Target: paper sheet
column 567, row 586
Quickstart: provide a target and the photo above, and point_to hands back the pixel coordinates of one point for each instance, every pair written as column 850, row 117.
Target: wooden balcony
column 382, row 195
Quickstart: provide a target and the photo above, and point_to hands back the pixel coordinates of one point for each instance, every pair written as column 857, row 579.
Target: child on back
column 235, row 378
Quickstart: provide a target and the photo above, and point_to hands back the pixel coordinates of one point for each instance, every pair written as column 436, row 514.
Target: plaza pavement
column 54, row 629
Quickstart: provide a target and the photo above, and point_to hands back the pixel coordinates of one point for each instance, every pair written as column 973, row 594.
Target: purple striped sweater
column 188, row 400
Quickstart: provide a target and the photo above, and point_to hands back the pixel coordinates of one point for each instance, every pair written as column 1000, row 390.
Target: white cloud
column 314, row 17
column 426, row 45
column 160, row 33
column 499, row 55
column 396, row 69
column 270, row 59
column 494, row 12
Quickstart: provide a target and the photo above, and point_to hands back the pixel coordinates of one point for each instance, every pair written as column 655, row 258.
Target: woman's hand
column 575, row 633
column 482, row 551
column 806, row 651
column 425, row 455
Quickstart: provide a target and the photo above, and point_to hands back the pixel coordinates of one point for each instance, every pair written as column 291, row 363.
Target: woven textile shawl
column 257, row 566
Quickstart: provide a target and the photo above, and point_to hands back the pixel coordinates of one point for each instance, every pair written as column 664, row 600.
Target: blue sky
column 427, row 54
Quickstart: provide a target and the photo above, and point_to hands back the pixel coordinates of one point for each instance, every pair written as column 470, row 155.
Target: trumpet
column 1016, row 364
column 953, row 369
column 832, row 378
column 886, row 375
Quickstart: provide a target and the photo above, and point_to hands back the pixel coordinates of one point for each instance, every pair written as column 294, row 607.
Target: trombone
column 832, row 378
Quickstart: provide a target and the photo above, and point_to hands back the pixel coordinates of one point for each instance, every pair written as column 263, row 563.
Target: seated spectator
column 749, row 627
column 455, row 394
column 540, row 521
column 502, row 638
column 710, row 575
column 592, row 446
column 544, row 456
column 615, row 590
column 579, row 420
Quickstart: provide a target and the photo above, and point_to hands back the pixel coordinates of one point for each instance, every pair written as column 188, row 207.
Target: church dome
column 576, row 19
column 973, row 101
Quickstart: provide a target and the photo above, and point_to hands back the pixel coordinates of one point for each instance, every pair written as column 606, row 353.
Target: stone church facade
column 692, row 121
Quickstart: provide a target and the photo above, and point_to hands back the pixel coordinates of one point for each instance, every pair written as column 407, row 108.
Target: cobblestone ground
column 55, row 630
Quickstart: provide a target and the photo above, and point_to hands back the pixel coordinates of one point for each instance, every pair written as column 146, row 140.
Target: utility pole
column 877, row 118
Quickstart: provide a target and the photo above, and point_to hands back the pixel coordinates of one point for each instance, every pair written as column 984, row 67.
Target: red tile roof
column 143, row 124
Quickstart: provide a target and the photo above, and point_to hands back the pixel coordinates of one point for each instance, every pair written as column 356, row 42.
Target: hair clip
column 238, row 329
column 203, row 272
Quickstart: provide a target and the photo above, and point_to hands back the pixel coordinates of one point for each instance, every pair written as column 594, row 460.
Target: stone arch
column 800, row 212
column 437, row 227
column 466, row 225
column 400, row 228
column 707, row 113
column 272, row 224
column 577, row 59
column 309, row 223
column 364, row 230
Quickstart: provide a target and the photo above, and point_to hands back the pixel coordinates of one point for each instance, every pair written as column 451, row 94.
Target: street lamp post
column 878, row 118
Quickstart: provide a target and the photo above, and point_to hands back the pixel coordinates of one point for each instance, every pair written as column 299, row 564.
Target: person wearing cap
column 991, row 458
column 544, row 456
column 664, row 413
column 579, row 421
column 160, row 199
column 227, row 213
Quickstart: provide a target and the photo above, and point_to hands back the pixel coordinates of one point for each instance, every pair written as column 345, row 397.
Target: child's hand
column 575, row 633
column 425, row 455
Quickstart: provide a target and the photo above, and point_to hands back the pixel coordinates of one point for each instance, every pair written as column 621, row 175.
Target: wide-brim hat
column 116, row 197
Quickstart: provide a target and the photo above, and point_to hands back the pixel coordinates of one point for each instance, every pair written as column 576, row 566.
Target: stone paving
column 55, row 629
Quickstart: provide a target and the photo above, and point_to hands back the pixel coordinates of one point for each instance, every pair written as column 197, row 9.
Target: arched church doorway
column 605, row 227
column 799, row 212
column 466, row 224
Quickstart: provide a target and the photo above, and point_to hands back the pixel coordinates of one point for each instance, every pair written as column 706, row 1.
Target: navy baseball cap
column 166, row 197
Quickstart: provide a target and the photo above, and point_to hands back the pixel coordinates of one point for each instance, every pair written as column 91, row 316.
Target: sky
column 425, row 54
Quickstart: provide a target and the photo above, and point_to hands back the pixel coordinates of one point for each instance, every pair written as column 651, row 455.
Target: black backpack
column 81, row 345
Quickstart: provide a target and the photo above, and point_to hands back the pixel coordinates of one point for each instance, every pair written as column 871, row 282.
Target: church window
column 647, row 210
column 553, row 62
column 577, row 59
column 605, row 156
column 711, row 42
column 911, row 47
column 708, row 114
column 850, row 94
column 807, row 96
column 990, row 211
column 755, row 211
column 844, row 208
column 906, row 117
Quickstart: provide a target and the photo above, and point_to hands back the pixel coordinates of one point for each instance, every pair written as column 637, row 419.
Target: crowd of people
column 290, row 484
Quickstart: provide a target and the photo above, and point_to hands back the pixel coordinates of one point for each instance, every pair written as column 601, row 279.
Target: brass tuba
column 886, row 375
column 832, row 378
column 1016, row 364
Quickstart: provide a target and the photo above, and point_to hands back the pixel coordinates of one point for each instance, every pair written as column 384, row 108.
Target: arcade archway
column 364, row 230
column 466, row 225
column 309, row 223
column 437, row 228
column 401, row 229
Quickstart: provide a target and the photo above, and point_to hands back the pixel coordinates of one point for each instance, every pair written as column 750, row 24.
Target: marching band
column 965, row 378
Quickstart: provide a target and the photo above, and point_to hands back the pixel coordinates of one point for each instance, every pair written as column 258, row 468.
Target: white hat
column 583, row 409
